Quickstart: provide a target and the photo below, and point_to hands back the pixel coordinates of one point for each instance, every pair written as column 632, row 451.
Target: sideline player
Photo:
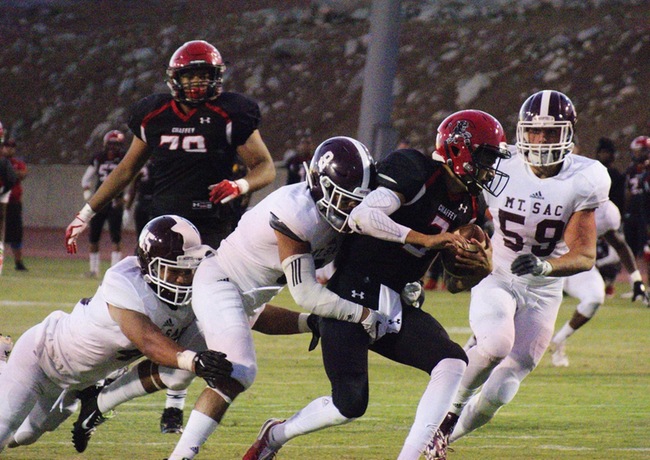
column 401, row 226
column 141, row 308
column 544, row 230
column 589, row 286
column 101, row 165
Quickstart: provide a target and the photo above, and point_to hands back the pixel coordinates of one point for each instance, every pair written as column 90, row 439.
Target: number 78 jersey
column 531, row 214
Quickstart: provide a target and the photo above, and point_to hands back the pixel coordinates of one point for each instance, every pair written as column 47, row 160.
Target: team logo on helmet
column 460, row 133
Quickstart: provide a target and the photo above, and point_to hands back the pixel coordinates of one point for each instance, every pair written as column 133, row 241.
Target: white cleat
column 558, row 356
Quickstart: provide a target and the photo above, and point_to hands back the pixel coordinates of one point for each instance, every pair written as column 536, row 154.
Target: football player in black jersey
column 101, row 165
column 192, row 137
column 399, row 228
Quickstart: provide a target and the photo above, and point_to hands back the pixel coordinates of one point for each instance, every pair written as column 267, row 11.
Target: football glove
column 210, row 365
column 312, row 322
column 77, row 226
column 413, row 294
column 227, row 190
column 530, row 264
column 639, row 292
column 376, row 325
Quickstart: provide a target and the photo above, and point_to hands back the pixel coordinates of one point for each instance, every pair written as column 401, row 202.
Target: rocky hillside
column 69, row 70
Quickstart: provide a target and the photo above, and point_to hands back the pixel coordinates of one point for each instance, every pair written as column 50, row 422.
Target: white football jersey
column 86, row 345
column 530, row 215
column 608, row 217
column 250, row 254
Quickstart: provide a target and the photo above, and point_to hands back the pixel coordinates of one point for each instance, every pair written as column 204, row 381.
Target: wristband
column 635, row 276
column 86, row 213
column 185, row 360
column 243, row 185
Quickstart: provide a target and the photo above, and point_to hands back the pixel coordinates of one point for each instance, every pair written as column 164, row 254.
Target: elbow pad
column 371, row 217
column 314, row 297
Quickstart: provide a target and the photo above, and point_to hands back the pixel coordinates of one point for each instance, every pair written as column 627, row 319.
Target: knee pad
column 495, row 348
column 588, row 309
column 245, row 374
column 175, row 379
column 350, row 396
column 502, row 388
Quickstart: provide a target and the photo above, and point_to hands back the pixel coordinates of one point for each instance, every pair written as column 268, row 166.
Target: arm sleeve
column 87, row 179
column 314, row 297
column 371, row 216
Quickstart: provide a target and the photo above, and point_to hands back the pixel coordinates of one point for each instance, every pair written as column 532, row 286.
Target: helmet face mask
column 169, row 252
column 341, row 173
column 195, row 59
column 472, row 143
column 545, row 128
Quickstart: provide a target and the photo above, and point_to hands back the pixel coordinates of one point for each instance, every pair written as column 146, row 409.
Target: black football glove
column 640, row 292
column 312, row 322
column 210, row 365
column 530, row 264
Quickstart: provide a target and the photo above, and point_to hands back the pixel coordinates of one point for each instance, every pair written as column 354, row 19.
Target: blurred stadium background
column 71, row 69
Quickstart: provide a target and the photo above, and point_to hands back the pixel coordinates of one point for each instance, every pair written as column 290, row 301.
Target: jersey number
column 547, row 233
column 186, row 143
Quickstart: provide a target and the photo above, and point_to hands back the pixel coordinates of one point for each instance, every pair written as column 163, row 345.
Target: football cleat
column 439, row 445
column 171, row 420
column 558, row 354
column 261, row 448
column 89, row 417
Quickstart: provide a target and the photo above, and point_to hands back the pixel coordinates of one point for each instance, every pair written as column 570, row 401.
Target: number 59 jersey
column 531, row 214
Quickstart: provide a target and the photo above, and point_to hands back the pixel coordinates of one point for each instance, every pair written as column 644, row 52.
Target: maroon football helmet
column 196, row 56
column 169, row 249
column 341, row 173
column 471, row 143
column 546, row 110
column 113, row 136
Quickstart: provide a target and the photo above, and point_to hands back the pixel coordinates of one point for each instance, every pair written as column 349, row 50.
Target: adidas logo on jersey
column 537, row 196
column 168, row 323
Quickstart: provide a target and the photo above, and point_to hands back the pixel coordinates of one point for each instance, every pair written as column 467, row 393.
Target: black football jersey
column 104, row 166
column 429, row 208
column 192, row 151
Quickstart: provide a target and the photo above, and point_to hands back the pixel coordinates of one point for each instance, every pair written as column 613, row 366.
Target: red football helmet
column 640, row 143
column 113, row 136
column 471, row 143
column 195, row 56
column 341, row 173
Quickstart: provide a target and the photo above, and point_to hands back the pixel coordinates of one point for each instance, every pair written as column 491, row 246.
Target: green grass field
column 599, row 408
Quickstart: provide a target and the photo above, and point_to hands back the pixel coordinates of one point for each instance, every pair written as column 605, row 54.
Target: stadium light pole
column 375, row 128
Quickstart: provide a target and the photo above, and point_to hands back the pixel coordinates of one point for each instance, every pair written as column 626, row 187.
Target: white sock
column 123, row 389
column 433, row 407
column 116, row 256
column 318, row 414
column 94, row 262
column 563, row 334
column 176, row 398
column 199, row 427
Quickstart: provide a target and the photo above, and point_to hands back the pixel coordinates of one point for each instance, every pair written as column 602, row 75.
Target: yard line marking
column 27, row 303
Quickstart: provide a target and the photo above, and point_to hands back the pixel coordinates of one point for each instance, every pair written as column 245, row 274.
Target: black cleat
column 89, row 417
column 171, row 420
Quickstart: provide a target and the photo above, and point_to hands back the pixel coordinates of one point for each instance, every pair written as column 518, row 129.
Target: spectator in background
column 635, row 217
column 14, row 218
column 606, row 154
column 101, row 165
column 295, row 163
column 7, row 180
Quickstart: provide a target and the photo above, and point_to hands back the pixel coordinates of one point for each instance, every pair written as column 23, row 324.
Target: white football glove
column 413, row 294
column 77, row 226
column 376, row 325
column 530, row 264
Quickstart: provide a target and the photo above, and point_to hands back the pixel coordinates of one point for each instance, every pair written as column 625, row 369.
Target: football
column 468, row 231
